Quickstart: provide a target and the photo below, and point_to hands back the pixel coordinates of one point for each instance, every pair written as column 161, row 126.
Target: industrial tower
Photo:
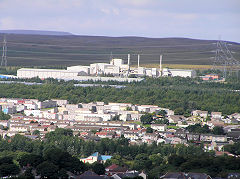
column 224, row 59
column 4, row 53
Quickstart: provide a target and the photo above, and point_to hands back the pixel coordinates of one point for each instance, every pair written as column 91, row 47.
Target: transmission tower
column 4, row 52
column 224, row 58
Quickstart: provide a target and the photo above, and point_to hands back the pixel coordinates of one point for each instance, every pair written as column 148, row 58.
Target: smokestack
column 160, row 65
column 138, row 60
column 128, row 59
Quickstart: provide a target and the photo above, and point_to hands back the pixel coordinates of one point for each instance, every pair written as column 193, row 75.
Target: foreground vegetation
column 61, row 150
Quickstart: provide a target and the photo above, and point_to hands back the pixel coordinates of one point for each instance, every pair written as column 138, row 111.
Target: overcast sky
column 202, row 19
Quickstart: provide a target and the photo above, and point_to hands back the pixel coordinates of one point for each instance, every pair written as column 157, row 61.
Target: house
column 46, row 104
column 211, row 77
column 115, row 169
column 96, row 157
column 218, row 123
column 219, row 138
column 124, row 175
column 103, row 134
column 149, row 138
column 235, row 116
column 234, row 134
column 206, row 137
column 90, row 175
column 177, row 140
column 216, row 115
column 132, row 135
column 159, row 127
column 193, row 137
column 174, row 175
column 175, row 118
column 198, row 176
column 200, row 113
column 233, row 175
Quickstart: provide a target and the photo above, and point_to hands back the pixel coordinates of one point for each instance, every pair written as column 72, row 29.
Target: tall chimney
column 160, row 66
column 138, row 60
column 128, row 59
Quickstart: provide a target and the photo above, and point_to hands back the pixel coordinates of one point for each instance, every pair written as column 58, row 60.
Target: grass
column 176, row 66
column 31, row 50
column 172, row 127
column 45, row 109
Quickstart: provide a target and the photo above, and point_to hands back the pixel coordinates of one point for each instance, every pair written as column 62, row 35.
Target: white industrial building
column 178, row 72
column 101, row 71
column 45, row 73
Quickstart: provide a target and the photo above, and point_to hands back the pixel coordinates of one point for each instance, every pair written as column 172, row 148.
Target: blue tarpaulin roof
column 3, row 76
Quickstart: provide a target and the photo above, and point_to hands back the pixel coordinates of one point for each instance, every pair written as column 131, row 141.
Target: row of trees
column 197, row 128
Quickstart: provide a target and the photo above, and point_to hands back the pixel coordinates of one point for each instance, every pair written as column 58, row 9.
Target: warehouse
column 67, row 75
column 179, row 72
column 45, row 73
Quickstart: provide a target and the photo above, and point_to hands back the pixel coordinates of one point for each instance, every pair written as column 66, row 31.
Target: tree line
column 180, row 94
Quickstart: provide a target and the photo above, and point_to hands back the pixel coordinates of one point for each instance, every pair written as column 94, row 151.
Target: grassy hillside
column 42, row 50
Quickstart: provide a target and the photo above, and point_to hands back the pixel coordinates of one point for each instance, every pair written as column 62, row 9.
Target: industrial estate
column 97, row 71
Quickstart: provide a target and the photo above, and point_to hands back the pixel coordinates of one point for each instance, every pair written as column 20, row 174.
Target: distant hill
column 34, row 32
column 48, row 50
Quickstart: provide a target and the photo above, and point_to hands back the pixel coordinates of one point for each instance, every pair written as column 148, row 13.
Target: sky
column 199, row 19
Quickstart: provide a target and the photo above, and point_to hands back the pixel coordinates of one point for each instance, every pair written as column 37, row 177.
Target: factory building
column 98, row 71
column 178, row 72
column 45, row 73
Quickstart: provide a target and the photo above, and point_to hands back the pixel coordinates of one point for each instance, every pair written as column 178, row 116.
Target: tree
column 208, row 118
column 47, row 170
column 116, row 159
column 8, row 169
column 30, row 159
column 162, row 113
column 36, row 132
column 149, row 130
column 162, row 121
column 179, row 111
column 4, row 116
column 156, row 159
column 142, row 162
column 98, row 168
column 116, row 118
column 146, row 118
column 6, row 160
column 217, row 130
column 128, row 108
column 197, row 128
column 28, row 174
column 63, row 174
column 176, row 160
column 63, row 160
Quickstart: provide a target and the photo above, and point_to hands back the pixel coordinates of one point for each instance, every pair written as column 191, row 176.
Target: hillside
column 43, row 50
column 34, row 32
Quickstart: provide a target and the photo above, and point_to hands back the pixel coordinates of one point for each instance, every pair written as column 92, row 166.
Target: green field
column 41, row 50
